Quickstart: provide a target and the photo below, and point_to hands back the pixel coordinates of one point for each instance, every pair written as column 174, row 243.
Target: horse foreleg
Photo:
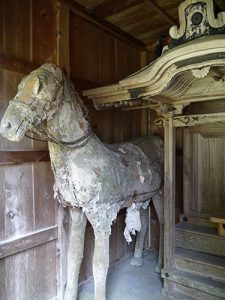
column 75, row 252
column 158, row 204
column 137, row 260
column 100, row 264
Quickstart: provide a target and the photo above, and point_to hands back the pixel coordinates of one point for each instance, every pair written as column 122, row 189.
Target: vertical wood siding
column 28, row 34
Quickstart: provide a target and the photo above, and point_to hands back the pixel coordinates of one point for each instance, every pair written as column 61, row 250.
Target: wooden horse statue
column 94, row 179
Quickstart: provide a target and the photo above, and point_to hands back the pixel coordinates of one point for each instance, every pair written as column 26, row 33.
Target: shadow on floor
column 125, row 282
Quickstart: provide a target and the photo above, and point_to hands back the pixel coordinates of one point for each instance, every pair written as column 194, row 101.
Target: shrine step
column 206, row 265
column 195, row 286
column 200, row 238
column 197, row 220
column 201, row 219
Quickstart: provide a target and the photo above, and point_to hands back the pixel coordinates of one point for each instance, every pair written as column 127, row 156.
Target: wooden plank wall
column 28, row 229
column 31, row 33
column 98, row 58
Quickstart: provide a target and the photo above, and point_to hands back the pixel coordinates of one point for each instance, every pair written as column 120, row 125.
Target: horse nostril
column 9, row 125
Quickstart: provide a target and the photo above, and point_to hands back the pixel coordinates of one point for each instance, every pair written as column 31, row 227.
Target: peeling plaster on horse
column 94, row 179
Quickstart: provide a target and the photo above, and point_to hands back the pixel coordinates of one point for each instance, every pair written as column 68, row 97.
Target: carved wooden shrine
column 186, row 86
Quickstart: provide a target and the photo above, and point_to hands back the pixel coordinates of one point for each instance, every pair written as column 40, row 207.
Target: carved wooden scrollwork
column 197, row 19
column 201, row 73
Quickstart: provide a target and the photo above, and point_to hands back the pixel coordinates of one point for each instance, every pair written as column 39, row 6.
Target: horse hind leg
column 137, row 259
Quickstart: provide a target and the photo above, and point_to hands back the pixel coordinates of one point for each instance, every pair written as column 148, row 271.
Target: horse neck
column 68, row 124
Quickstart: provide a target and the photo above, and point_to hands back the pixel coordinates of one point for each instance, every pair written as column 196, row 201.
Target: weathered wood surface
column 16, row 65
column 200, row 238
column 28, row 241
column 194, row 287
column 206, row 265
column 137, row 17
column 26, row 202
column 204, row 169
column 220, row 225
column 18, row 157
column 62, row 59
column 103, row 24
column 38, row 39
column 169, row 200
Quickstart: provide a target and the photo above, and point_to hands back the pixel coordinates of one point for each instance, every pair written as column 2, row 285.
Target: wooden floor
column 125, row 282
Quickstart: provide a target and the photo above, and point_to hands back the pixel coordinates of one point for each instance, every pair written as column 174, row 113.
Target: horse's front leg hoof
column 70, row 294
column 136, row 261
column 158, row 269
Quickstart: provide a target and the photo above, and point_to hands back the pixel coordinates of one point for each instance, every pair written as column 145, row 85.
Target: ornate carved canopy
column 191, row 68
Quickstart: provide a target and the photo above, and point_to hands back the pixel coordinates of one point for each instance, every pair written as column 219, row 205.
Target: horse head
column 38, row 98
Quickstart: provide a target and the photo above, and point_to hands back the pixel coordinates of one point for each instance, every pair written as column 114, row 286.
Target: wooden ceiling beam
column 152, row 4
column 161, row 30
column 104, row 24
column 112, row 7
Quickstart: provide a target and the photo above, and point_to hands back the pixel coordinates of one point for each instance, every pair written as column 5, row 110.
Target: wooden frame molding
column 169, row 79
column 18, row 157
column 16, row 65
column 192, row 120
column 34, row 239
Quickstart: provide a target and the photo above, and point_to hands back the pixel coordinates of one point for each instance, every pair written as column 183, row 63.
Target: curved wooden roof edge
column 195, row 56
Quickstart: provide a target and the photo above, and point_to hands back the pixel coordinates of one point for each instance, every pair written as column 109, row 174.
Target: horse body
column 94, row 179
column 102, row 181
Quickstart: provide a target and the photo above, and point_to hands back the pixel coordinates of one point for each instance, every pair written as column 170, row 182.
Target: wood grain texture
column 2, row 203
column 200, row 263
column 26, row 40
column 104, row 24
column 27, row 188
column 63, row 36
column 27, row 241
column 46, row 271
column 19, row 200
column 169, row 196
column 17, row 26
column 14, row 64
column 204, row 169
column 90, row 44
column 44, row 202
column 200, row 238
column 18, row 157
column 43, row 32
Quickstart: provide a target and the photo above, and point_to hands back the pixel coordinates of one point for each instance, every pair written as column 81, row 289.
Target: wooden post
column 169, row 203
column 144, row 122
column 62, row 36
column 62, row 59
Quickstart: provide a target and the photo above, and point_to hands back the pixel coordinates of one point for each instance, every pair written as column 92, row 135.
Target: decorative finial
column 197, row 19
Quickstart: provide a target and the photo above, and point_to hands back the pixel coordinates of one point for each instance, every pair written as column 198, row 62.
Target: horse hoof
column 157, row 269
column 70, row 295
column 136, row 261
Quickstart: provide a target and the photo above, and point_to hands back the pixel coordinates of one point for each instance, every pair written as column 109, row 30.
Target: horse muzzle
column 12, row 126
